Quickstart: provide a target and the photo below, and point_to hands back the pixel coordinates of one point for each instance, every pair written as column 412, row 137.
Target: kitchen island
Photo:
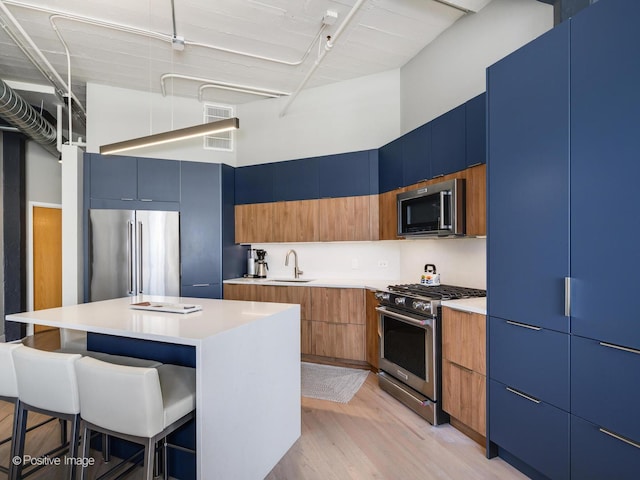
column 247, row 355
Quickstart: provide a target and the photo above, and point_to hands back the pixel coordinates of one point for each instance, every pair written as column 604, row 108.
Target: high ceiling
column 132, row 44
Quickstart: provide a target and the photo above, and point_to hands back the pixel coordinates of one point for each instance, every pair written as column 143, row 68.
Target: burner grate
column 442, row 292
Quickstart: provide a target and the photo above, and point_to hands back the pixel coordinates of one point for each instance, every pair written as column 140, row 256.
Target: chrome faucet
column 296, row 271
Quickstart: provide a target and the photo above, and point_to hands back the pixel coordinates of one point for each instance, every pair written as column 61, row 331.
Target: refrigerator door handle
column 140, row 262
column 130, row 248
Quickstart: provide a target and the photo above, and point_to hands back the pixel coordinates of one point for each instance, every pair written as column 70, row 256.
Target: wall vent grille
column 222, row 140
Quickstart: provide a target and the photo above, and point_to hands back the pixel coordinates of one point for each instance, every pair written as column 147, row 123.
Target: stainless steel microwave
column 434, row 210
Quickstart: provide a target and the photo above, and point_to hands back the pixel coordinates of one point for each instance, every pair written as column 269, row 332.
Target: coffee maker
column 261, row 265
column 251, row 262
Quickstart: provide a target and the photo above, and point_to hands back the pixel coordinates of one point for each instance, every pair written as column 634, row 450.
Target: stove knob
column 382, row 296
column 426, row 307
column 400, row 300
column 416, row 305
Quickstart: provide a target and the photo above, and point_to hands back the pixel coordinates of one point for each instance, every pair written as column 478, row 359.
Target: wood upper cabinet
column 254, row 223
column 464, row 368
column 476, row 200
column 388, row 214
column 295, row 221
column 345, row 218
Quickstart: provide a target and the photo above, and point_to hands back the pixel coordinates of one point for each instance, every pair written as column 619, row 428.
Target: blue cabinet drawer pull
column 531, row 399
column 618, row 437
column 517, row 324
column 624, row 349
column 201, row 284
column 146, row 200
column 127, row 199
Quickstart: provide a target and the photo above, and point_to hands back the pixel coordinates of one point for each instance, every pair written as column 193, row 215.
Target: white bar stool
column 141, row 405
column 9, row 390
column 47, row 384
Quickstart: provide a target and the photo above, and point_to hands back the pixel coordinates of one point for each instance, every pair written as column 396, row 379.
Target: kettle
column 430, row 276
column 261, row 265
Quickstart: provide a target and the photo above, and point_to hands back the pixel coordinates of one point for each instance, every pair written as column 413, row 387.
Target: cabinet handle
column 567, row 296
column 624, row 349
column 518, row 324
column 127, row 199
column 460, row 366
column 200, row 284
column 146, row 200
column 531, row 399
column 474, row 164
column 618, row 437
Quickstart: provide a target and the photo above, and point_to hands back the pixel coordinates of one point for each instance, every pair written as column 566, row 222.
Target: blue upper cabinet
column 476, row 130
column 113, row 177
column 448, row 142
column 390, row 166
column 416, row 155
column 528, row 183
column 345, row 175
column 605, row 225
column 295, row 179
column 158, row 180
column 254, row 184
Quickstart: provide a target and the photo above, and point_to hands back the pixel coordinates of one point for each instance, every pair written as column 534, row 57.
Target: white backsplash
column 459, row 261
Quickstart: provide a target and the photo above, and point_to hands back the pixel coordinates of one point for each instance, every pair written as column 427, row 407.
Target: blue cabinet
column 347, row 174
column 295, row 179
column 416, row 155
column 598, row 453
column 448, row 142
column 158, row 180
column 533, row 431
column 390, row 166
column 605, row 101
column 531, row 359
column 476, row 130
column 528, row 183
column 113, row 177
column 254, row 184
column 605, row 386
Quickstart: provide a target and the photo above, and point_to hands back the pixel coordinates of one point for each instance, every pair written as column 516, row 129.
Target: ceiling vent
column 222, row 140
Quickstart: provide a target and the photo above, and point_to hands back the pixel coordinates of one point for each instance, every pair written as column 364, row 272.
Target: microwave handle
column 443, row 226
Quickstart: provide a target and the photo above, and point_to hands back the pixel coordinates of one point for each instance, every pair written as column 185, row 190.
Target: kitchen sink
column 293, row 280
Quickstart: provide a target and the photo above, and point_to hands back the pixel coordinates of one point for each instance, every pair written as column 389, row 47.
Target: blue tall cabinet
column 562, row 225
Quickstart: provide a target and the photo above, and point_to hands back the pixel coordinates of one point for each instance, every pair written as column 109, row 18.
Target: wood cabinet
column 464, row 368
column 344, row 219
column 253, row 223
column 338, row 327
column 276, row 294
column 476, row 200
column 295, row 221
column 373, row 334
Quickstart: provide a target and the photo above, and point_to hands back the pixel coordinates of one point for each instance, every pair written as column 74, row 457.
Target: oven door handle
column 403, row 318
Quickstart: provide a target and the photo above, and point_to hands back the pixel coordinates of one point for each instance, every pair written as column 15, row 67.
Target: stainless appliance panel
column 158, row 247
column 111, row 254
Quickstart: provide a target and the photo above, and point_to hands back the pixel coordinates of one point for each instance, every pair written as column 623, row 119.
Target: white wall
column 358, row 114
column 43, row 175
column 451, row 69
column 118, row 114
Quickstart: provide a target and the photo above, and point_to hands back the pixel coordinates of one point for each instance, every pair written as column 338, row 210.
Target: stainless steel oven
column 410, row 345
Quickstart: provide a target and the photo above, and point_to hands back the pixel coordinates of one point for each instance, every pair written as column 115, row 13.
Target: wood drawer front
column 338, row 341
column 596, row 455
column 305, row 337
column 338, row 305
column 605, row 385
column 464, row 395
column 464, row 339
column 536, row 433
column 535, row 361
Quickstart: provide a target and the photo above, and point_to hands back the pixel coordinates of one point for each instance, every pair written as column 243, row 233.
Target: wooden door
column 47, row 259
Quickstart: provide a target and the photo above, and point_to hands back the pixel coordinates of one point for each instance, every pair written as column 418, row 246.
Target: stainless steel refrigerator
column 133, row 252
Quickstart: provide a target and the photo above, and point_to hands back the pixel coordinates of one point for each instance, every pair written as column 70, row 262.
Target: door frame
column 30, row 265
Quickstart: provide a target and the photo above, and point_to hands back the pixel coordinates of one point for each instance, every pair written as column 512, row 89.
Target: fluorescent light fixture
column 172, row 136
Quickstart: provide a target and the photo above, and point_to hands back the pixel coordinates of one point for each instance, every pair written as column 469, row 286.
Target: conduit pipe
column 327, row 48
column 208, row 83
column 40, row 55
column 16, row 111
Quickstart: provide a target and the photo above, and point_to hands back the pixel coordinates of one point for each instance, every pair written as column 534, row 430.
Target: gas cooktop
column 440, row 292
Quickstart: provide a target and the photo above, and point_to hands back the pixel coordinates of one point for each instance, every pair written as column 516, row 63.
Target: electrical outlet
column 383, row 264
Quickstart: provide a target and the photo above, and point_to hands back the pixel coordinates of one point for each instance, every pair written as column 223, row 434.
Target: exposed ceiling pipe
column 164, row 37
column 16, row 111
column 327, row 48
column 208, row 83
column 40, row 55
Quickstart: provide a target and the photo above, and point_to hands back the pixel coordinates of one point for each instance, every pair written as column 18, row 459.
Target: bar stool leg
column 73, row 445
column 15, row 471
column 86, row 443
column 149, row 450
column 106, row 448
column 63, row 431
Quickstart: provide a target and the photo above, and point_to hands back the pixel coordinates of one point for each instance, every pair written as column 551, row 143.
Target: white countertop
column 371, row 284
column 473, row 305
column 114, row 317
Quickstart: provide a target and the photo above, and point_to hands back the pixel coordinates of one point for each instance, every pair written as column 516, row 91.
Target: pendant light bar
column 172, row 136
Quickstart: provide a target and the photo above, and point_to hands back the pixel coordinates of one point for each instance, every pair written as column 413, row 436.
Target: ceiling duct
column 17, row 112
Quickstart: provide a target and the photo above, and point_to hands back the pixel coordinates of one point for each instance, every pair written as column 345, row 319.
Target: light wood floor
column 371, row 437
